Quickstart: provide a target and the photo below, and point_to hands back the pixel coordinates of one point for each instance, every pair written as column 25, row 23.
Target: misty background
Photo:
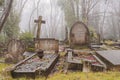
column 101, row 16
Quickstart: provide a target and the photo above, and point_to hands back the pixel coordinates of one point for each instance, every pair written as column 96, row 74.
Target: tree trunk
column 5, row 14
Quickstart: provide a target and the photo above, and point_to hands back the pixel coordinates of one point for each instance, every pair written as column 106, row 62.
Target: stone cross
column 39, row 21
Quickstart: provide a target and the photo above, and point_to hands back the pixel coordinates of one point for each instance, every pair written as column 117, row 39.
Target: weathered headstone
column 79, row 34
column 15, row 51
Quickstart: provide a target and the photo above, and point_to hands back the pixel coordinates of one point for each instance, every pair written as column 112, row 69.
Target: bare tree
column 87, row 7
column 5, row 14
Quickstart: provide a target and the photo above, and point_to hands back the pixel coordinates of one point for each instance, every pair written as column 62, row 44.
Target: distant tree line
column 100, row 15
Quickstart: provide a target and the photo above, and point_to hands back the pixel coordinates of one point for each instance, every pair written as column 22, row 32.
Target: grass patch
column 68, row 76
column 62, row 54
column 80, row 47
column 86, row 76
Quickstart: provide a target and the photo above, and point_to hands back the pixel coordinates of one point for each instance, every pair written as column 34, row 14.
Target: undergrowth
column 67, row 76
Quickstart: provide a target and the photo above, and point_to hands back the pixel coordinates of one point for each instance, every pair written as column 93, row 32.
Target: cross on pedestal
column 39, row 21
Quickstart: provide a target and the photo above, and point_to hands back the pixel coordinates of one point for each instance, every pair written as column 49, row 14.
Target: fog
column 55, row 18
column 54, row 26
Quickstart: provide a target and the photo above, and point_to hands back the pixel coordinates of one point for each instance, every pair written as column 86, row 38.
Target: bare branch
column 5, row 14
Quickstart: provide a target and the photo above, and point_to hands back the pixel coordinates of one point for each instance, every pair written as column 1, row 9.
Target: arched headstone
column 79, row 34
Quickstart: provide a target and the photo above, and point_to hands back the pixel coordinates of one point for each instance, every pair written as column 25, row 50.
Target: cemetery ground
column 58, row 73
column 66, row 76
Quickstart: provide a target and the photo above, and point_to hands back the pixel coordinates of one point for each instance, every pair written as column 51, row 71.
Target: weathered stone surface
column 15, row 52
column 79, row 34
column 36, row 63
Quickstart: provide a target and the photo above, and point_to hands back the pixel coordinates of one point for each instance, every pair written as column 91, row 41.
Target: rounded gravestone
column 16, row 49
column 79, row 34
